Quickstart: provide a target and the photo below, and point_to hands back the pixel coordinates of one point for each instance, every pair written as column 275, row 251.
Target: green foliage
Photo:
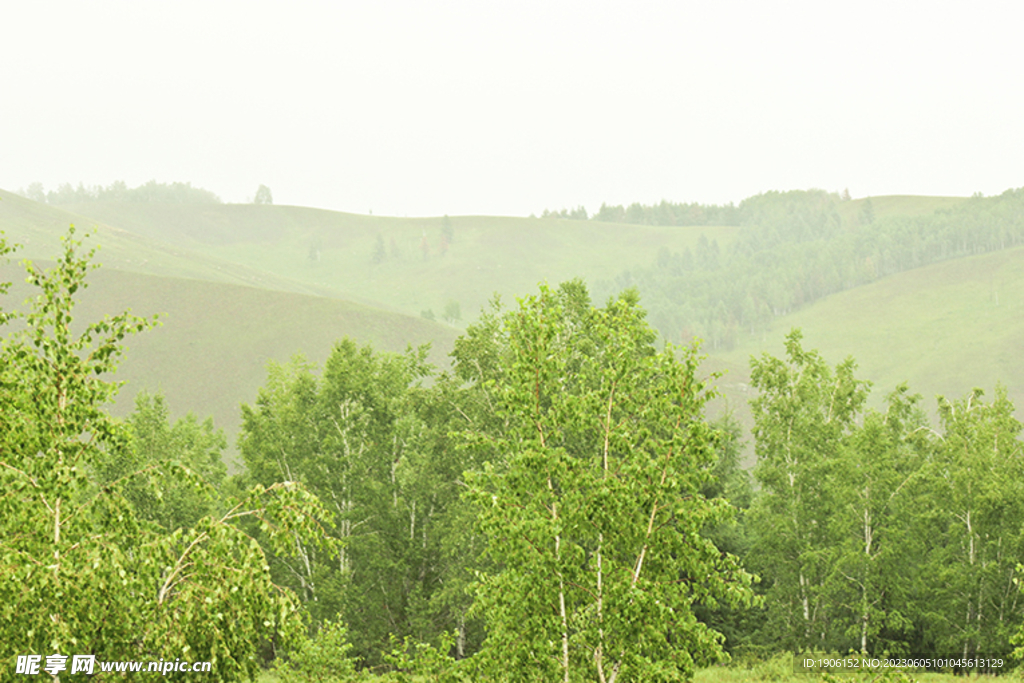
column 872, row 523
column 802, row 412
column 778, row 667
column 35, row 192
column 4, row 286
column 79, row 571
column 321, row 659
column 885, row 675
column 590, row 498
column 263, row 196
column 151, row 192
column 194, row 449
column 270, row 249
column 364, row 437
column 867, row 212
column 975, row 486
column 730, row 481
column 875, row 534
column 577, row 214
column 412, row 661
column 452, row 312
column 665, row 213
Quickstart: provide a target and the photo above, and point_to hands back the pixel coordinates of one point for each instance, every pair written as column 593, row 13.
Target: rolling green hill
column 332, row 253
column 39, row 227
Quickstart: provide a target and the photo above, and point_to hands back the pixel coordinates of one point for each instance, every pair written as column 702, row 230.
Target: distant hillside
column 944, row 329
column 797, row 247
column 407, row 264
column 39, row 227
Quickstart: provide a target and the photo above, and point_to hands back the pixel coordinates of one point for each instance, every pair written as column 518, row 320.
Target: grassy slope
column 210, row 353
column 39, row 227
column 488, row 254
column 944, row 329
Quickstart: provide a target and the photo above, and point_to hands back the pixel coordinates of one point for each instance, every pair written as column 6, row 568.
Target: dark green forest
column 554, row 506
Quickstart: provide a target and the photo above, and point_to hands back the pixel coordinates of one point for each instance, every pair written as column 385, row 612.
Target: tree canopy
column 591, row 500
column 81, row 568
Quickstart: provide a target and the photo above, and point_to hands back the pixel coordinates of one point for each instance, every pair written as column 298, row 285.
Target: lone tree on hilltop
column 263, row 196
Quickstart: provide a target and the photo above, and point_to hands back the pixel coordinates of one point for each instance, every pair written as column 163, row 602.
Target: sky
column 498, row 108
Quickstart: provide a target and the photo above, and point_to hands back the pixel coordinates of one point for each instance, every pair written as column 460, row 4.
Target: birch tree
column 590, row 501
column 80, row 573
column 802, row 414
column 875, row 479
column 361, row 434
column 976, row 495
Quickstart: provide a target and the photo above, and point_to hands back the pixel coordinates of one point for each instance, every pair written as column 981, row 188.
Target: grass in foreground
column 774, row 671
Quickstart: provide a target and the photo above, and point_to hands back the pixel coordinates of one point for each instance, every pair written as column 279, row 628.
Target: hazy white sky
column 508, row 108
